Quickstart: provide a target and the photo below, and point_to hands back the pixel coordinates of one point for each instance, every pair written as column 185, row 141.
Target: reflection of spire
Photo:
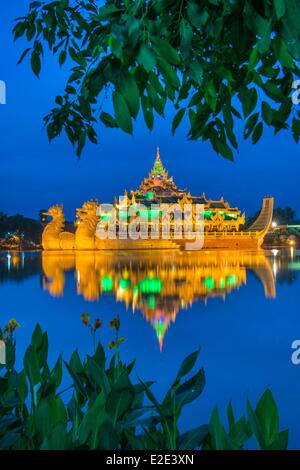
column 161, row 326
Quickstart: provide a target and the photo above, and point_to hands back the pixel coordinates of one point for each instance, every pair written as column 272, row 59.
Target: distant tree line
column 29, row 229
column 282, row 216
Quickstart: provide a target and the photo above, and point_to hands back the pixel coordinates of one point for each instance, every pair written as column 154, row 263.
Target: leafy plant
column 215, row 61
column 106, row 410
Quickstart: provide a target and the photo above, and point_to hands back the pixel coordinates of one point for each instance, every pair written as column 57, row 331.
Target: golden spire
column 158, row 168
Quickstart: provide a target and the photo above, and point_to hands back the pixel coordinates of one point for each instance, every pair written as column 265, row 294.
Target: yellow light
column 274, row 224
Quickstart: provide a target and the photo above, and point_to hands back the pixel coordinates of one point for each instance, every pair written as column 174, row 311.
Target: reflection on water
column 159, row 285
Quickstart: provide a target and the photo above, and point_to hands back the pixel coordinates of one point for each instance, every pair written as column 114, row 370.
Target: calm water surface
column 241, row 308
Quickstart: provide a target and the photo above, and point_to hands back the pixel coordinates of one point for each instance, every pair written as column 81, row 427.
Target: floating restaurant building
column 223, row 225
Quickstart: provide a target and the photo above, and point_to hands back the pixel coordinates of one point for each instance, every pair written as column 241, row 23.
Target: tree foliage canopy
column 216, row 61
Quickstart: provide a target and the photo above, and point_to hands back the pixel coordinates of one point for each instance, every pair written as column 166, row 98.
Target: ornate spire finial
column 158, row 168
column 157, row 153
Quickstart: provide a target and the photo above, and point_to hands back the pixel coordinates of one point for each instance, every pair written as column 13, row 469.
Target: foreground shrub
column 108, row 411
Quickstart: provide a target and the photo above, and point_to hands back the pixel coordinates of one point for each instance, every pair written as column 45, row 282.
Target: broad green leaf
column 177, row 119
column 36, row 63
column 218, row 436
column 122, row 114
column 248, row 98
column 196, row 71
column 186, row 33
column 130, row 92
column 31, row 366
column 255, row 426
column 120, row 398
column 108, row 120
column 22, row 386
column 165, row 50
column 146, row 58
column 274, row 92
column 224, row 149
column 210, row 95
column 279, row 8
column 282, row 53
column 190, row 389
column 168, row 73
column 148, row 112
column 281, row 442
column 250, row 124
column 187, row 365
column 266, row 112
column 62, row 57
column 192, row 439
column 267, row 414
column 257, row 133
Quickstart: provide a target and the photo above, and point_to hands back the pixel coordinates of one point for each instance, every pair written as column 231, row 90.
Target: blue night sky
column 35, row 174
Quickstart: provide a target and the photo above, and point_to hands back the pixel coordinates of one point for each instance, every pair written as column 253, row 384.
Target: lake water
column 241, row 308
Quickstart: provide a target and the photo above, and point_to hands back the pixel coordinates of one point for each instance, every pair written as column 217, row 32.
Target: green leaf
column 165, row 50
column 120, row 398
column 148, row 112
column 248, row 98
column 250, row 124
column 281, row 442
column 230, row 417
column 267, row 414
column 210, row 95
column 122, row 114
column 218, row 436
column 31, row 366
column 108, row 120
column 187, row 365
column 282, row 53
column 130, row 92
column 192, row 439
column 279, row 8
column 254, row 58
column 255, row 426
column 224, row 149
column 267, row 113
column 274, row 92
column 168, row 73
column 22, row 386
column 23, row 55
column 257, row 133
column 146, row 58
column 190, row 389
column 177, row 119
column 36, row 63
column 186, row 33
column 62, row 57
column 196, row 71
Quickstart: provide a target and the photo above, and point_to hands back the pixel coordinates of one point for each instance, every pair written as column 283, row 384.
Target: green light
column 105, row 217
column 135, row 290
column 222, row 283
column 150, row 195
column 123, row 215
column 106, row 284
column 228, row 215
column 150, row 286
column 231, row 280
column 208, row 214
column 124, row 283
column 144, row 214
column 209, row 283
column 151, row 301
